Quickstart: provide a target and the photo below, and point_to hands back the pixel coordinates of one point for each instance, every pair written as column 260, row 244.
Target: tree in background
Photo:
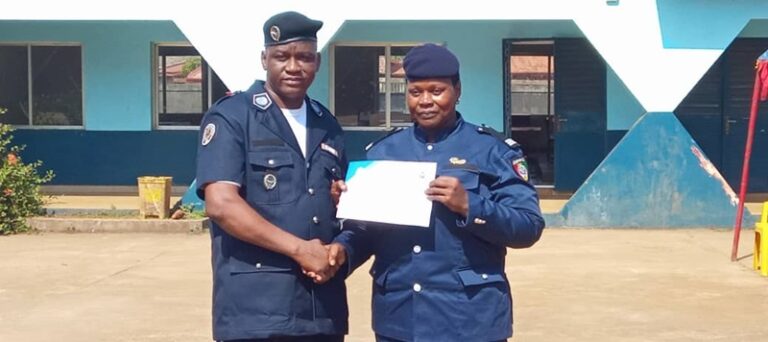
column 19, row 185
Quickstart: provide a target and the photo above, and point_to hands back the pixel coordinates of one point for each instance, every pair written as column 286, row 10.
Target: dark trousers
column 381, row 338
column 310, row 338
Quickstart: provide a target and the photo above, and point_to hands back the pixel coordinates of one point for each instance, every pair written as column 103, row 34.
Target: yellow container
column 154, row 197
column 760, row 257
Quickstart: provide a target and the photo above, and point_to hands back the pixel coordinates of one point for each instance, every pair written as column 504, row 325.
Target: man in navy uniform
column 447, row 282
column 266, row 161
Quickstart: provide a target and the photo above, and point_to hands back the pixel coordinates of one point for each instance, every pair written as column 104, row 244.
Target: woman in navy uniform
column 266, row 161
column 447, row 282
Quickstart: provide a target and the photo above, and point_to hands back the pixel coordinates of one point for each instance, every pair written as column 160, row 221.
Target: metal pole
column 745, row 166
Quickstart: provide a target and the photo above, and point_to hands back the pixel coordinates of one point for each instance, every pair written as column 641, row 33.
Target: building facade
column 104, row 102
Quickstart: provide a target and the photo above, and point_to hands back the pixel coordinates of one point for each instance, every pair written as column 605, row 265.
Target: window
column 369, row 85
column 41, row 85
column 185, row 87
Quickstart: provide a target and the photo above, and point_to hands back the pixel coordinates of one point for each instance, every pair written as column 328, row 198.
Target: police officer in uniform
column 447, row 282
column 266, row 161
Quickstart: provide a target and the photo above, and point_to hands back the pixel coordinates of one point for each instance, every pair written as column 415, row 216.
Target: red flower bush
column 20, row 183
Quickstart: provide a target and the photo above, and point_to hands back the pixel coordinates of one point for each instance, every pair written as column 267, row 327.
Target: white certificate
column 388, row 192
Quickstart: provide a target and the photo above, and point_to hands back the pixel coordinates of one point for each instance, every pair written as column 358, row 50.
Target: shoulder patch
column 262, row 101
column 389, row 133
column 208, row 133
column 521, row 168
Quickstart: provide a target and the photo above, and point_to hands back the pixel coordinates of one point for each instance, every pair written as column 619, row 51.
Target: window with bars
column 185, row 86
column 369, row 85
column 41, row 85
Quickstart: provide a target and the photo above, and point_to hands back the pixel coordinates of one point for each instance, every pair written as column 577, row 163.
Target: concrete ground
column 574, row 285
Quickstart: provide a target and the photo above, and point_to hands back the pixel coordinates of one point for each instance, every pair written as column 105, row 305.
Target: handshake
column 320, row 262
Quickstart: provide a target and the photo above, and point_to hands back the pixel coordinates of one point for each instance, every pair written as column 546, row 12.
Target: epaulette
column 483, row 129
column 390, row 132
column 227, row 96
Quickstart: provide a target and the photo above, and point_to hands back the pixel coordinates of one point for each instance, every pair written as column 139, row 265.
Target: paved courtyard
column 574, row 285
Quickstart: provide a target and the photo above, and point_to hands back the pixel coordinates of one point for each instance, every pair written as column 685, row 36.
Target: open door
column 555, row 107
column 529, row 104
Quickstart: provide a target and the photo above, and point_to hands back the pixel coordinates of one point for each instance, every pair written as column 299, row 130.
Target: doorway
column 530, row 104
column 555, row 107
column 716, row 114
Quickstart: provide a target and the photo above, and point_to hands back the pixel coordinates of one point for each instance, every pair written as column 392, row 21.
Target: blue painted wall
column 117, row 72
column 117, row 143
column 111, row 158
column 706, row 24
column 118, row 97
column 657, row 176
column 623, row 109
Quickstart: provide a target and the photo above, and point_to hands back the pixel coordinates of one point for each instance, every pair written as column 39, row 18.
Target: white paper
column 388, row 192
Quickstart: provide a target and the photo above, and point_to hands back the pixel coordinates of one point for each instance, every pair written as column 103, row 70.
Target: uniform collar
column 422, row 136
column 257, row 87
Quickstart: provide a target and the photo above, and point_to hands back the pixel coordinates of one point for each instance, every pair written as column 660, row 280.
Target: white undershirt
column 297, row 119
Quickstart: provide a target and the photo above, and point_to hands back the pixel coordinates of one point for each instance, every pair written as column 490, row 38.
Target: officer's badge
column 208, row 133
column 521, row 168
column 457, row 161
column 328, row 148
column 262, row 101
column 270, row 181
column 274, row 33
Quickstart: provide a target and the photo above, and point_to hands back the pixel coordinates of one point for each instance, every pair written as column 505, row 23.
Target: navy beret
column 430, row 61
column 286, row 27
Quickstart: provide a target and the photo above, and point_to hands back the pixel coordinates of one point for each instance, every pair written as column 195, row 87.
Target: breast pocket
column 469, row 177
column 272, row 177
column 331, row 164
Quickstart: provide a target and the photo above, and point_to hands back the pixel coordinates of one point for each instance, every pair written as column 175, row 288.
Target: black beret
column 288, row 27
column 430, row 61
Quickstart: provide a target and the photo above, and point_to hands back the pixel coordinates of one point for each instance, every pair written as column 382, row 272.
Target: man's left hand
column 337, row 187
column 337, row 256
column 450, row 192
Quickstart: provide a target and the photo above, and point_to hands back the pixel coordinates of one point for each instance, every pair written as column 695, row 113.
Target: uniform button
column 417, row 249
column 315, row 219
column 258, row 265
column 484, row 276
column 417, row 287
column 307, row 164
column 311, row 191
column 333, row 169
column 271, row 162
column 430, row 147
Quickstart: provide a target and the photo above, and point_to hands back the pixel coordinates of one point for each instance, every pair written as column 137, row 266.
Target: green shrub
column 190, row 65
column 19, row 185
